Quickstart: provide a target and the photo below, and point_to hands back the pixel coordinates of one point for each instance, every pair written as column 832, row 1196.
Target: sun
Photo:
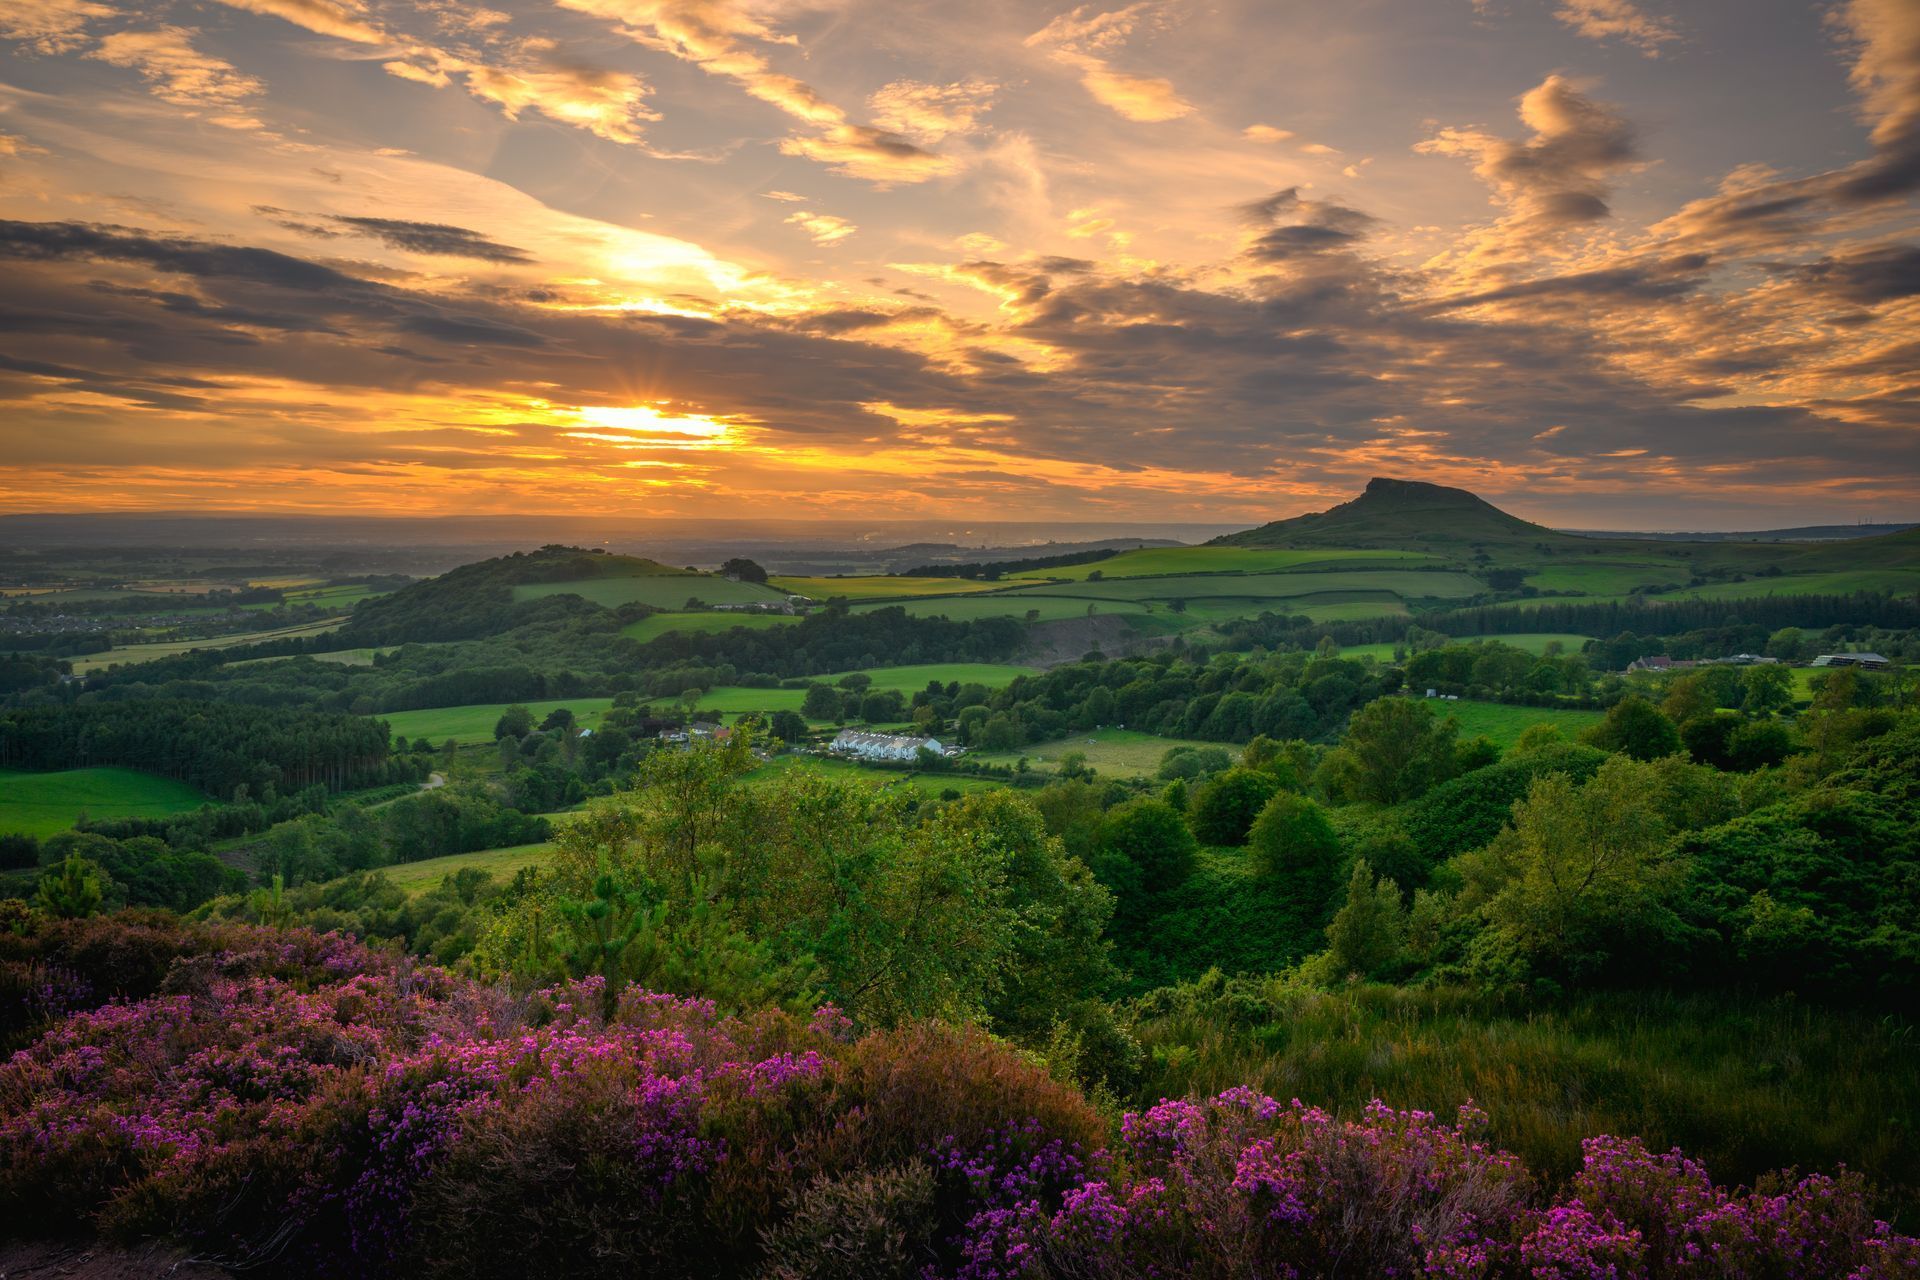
column 644, row 424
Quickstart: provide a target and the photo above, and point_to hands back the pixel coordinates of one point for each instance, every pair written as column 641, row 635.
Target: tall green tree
column 1394, row 749
column 1635, row 727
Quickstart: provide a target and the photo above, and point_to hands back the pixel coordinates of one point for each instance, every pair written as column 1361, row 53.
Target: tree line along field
column 669, row 590
column 1161, row 562
column 474, row 723
column 44, row 804
column 655, row 625
column 878, row 586
column 1534, row 642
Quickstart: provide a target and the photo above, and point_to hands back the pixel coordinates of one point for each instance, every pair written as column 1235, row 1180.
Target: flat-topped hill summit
column 1399, row 513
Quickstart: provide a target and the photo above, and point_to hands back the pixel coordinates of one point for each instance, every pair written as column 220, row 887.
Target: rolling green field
column 134, row 653
column 878, row 586
column 1504, row 724
column 44, row 804
column 1122, row 752
column 1834, row 582
column 1167, row 561
column 656, row 625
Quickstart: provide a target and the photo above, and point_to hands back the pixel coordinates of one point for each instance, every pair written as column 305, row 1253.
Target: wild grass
column 1747, row 1085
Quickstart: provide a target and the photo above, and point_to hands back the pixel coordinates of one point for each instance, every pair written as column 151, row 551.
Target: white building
column 1871, row 661
column 883, row 746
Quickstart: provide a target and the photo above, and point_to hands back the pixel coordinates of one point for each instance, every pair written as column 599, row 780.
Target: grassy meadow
column 45, row 804
column 1504, row 724
column 1122, row 752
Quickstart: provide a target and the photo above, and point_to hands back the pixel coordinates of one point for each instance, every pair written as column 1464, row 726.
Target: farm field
column 1836, row 582
column 1405, row 583
column 1504, row 724
column 1124, row 752
column 878, row 586
column 1607, row 579
column 45, row 804
column 344, row 596
column 418, row 877
column 1003, row 604
column 135, row 653
column 338, row 657
column 1331, row 606
column 474, row 722
column 1167, row 561
column 656, row 625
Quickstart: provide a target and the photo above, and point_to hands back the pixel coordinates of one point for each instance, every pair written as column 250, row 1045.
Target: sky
column 1609, row 263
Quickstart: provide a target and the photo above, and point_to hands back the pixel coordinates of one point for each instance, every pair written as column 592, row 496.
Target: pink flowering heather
column 297, row 1105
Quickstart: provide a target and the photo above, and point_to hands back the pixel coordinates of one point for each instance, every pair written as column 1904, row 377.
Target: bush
column 1225, row 808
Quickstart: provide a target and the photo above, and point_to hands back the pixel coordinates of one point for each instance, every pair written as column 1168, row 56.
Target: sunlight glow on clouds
column 1065, row 260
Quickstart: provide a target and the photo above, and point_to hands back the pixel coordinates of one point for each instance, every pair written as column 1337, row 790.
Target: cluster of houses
column 698, row 731
column 1660, row 662
column 898, row 747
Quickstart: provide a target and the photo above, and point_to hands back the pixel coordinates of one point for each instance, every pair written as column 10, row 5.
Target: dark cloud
column 1867, row 276
column 1653, row 281
column 1297, row 227
column 433, row 238
column 51, row 241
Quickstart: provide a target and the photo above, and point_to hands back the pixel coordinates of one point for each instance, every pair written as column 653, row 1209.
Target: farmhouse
column 883, row 746
column 1658, row 662
column 698, row 731
column 1871, row 661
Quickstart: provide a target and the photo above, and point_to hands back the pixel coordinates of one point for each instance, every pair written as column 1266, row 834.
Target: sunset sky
column 1610, row 263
